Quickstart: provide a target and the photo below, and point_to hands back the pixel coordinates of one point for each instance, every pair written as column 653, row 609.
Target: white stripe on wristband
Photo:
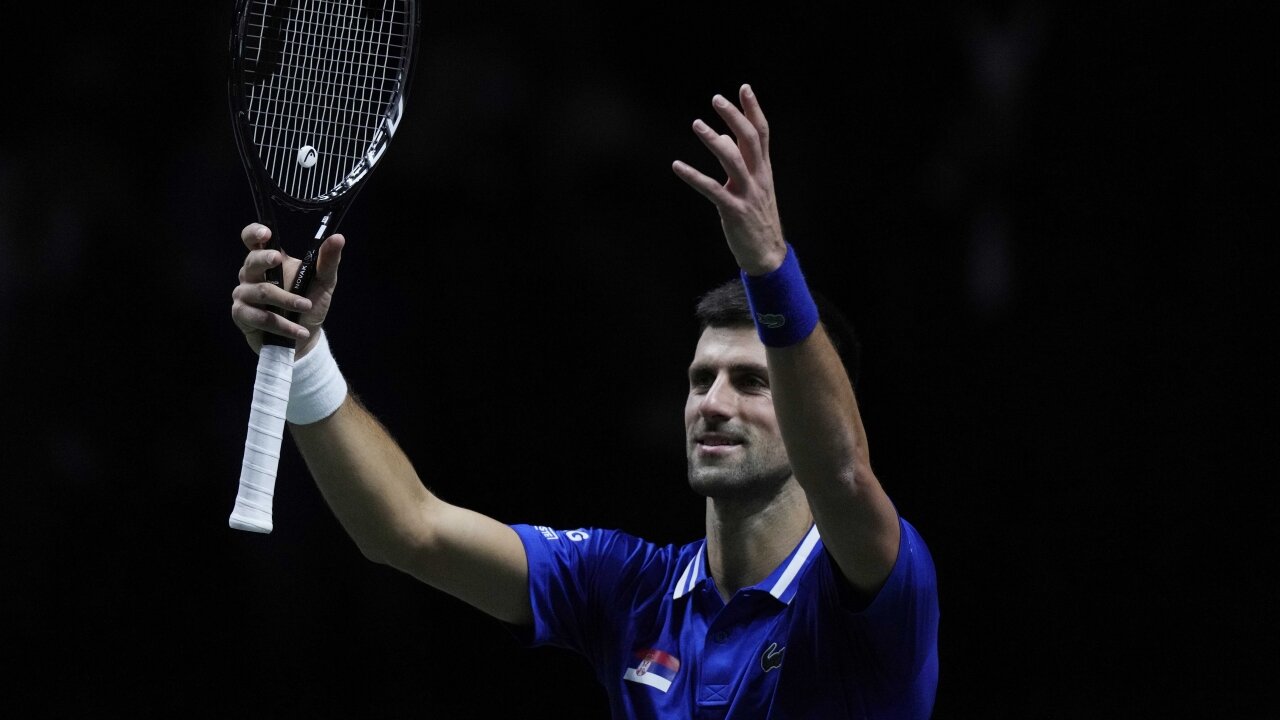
column 318, row 386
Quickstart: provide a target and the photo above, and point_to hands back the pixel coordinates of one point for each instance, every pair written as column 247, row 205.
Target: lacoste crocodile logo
column 771, row 659
column 770, row 320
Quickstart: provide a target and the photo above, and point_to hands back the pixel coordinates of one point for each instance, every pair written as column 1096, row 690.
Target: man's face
column 731, row 433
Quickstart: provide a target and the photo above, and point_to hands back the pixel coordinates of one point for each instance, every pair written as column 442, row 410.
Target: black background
column 1044, row 221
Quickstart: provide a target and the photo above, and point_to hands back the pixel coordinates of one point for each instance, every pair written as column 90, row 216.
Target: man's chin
column 729, row 482
column 720, row 482
column 710, row 481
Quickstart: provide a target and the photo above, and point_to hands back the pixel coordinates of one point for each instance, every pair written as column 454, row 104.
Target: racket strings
column 323, row 75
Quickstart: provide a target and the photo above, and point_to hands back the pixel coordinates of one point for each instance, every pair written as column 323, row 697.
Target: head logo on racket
column 306, row 156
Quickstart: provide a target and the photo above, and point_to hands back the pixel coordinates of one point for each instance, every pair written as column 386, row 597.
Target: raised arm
column 814, row 401
column 363, row 474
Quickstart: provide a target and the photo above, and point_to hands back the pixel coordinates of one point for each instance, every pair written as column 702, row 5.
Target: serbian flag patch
column 654, row 668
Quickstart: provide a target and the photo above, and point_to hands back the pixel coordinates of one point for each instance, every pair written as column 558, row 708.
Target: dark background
column 1042, row 219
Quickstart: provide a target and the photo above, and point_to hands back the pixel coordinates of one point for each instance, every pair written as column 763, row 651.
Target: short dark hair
column 725, row 306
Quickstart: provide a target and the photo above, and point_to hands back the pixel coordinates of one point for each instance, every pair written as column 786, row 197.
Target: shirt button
column 720, row 636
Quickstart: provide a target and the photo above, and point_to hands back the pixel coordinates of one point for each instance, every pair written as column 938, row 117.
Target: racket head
column 316, row 91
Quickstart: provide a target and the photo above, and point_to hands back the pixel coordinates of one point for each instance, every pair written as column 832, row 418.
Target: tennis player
column 809, row 597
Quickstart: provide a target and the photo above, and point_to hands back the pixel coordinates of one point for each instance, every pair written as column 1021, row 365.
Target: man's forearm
column 820, row 425
column 367, row 480
column 817, row 412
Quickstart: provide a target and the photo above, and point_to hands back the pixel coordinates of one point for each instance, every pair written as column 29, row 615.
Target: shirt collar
column 781, row 583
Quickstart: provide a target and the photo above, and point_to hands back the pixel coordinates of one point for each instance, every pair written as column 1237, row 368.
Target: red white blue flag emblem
column 654, row 668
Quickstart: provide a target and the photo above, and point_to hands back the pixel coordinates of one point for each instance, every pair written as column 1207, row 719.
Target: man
column 808, row 598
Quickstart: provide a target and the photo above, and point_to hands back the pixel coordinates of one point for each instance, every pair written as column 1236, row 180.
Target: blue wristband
column 783, row 309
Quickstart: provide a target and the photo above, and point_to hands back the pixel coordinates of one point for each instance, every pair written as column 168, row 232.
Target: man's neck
column 747, row 538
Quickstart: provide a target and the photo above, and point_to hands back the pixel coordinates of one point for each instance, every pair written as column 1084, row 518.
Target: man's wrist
column 318, row 386
column 781, row 306
column 765, row 264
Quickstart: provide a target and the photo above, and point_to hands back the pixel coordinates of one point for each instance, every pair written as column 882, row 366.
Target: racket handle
column 264, row 439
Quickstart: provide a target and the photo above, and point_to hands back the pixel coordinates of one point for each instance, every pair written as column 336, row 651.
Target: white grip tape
column 265, row 437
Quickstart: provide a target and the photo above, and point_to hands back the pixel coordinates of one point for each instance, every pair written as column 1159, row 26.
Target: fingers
column 329, row 260
column 743, row 128
column 746, row 201
column 751, row 108
column 744, row 156
column 726, row 151
column 256, row 304
column 268, row 295
column 710, row 189
column 255, row 235
column 261, row 257
column 257, row 263
column 251, row 318
column 325, row 282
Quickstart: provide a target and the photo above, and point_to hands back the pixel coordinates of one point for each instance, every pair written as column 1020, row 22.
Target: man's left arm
column 812, row 395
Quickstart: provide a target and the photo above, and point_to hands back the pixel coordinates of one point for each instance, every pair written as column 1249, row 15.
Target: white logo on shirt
column 576, row 535
column 772, row 657
column 548, row 533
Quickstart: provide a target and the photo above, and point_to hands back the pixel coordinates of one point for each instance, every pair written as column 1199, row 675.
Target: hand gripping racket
column 317, row 89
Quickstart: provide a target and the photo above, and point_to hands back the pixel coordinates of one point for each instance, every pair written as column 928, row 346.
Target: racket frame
column 269, row 198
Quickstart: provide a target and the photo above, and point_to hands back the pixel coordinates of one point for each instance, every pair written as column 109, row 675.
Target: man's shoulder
column 614, row 546
column 621, row 570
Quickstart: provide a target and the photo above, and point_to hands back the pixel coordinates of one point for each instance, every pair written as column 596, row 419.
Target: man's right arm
column 364, row 475
column 382, row 503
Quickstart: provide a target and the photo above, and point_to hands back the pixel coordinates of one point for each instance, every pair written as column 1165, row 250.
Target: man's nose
column 718, row 400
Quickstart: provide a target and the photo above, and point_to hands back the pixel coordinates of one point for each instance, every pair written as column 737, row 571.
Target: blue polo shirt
column 798, row 645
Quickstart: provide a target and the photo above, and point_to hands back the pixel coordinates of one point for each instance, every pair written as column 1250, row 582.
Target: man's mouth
column 718, row 440
column 717, row 443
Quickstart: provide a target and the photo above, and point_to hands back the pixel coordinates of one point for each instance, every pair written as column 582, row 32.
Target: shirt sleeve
column 579, row 579
column 900, row 624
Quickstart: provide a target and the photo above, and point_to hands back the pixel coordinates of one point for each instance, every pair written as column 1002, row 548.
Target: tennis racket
column 317, row 89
